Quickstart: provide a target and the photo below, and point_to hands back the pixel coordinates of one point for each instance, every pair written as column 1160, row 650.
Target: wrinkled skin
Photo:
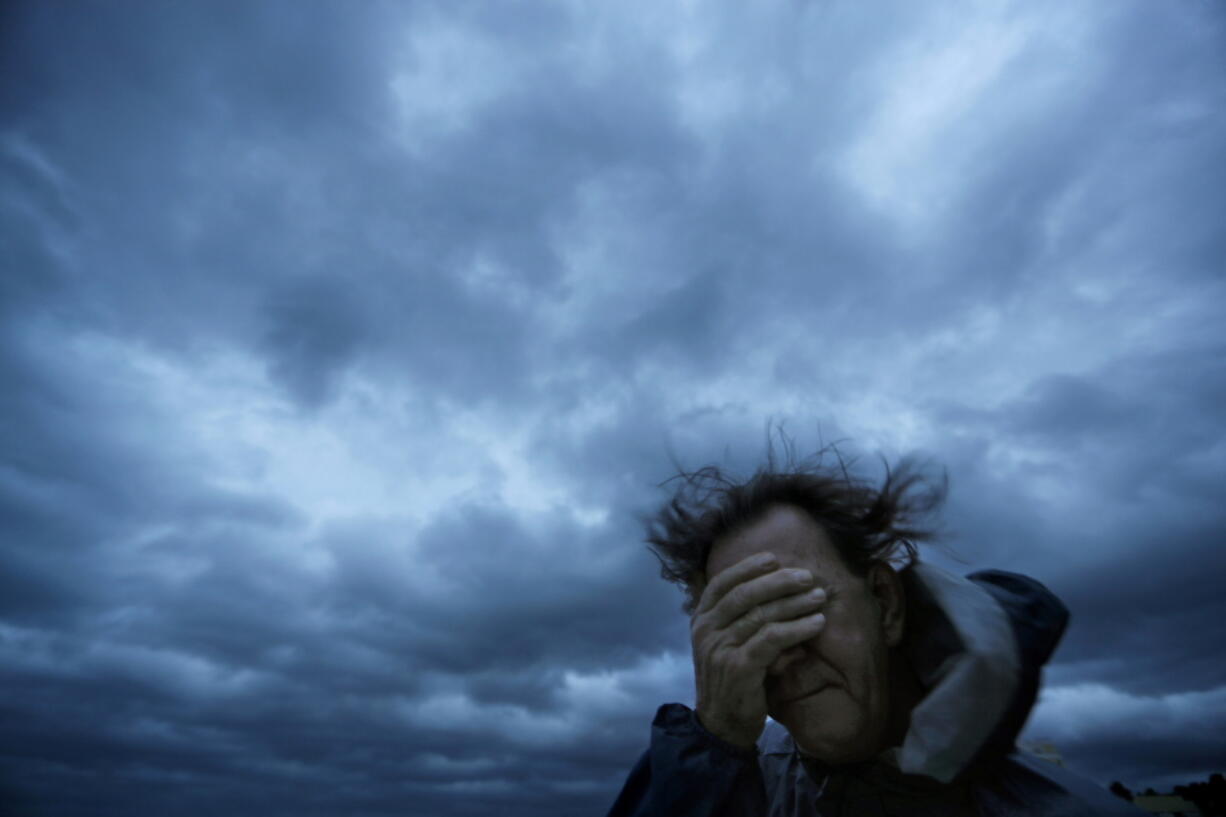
column 813, row 654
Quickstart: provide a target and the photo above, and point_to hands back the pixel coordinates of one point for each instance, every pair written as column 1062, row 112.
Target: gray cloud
column 343, row 349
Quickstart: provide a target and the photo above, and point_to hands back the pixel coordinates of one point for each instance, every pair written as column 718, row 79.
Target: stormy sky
column 343, row 346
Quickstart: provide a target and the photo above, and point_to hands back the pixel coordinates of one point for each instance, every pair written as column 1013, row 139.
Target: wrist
column 740, row 740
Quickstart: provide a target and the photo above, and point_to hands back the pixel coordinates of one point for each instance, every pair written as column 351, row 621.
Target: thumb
column 785, row 660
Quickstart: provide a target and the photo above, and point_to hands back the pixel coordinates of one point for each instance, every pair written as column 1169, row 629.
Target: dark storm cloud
column 313, row 330
column 248, row 164
column 343, row 348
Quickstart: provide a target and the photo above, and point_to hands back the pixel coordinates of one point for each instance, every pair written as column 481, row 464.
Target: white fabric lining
column 968, row 691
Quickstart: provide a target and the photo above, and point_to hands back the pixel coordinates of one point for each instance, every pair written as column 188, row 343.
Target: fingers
column 782, row 609
column 756, row 592
column 729, row 578
column 767, row 645
column 748, row 621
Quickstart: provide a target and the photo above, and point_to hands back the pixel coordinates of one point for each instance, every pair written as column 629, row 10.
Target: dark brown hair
column 867, row 524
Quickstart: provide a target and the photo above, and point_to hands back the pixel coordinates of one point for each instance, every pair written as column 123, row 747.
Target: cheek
column 855, row 655
column 845, row 647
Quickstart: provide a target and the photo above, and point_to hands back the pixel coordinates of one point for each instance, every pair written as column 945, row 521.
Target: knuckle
column 759, row 653
column 738, row 662
column 773, row 632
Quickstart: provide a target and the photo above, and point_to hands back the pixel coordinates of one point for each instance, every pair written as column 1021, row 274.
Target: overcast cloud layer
column 343, row 345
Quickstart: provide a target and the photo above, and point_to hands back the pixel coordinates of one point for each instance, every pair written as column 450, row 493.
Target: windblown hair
column 866, row 524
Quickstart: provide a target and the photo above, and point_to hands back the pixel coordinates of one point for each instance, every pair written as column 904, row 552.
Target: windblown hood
column 978, row 645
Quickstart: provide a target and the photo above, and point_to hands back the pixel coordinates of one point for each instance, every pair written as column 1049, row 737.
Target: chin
column 828, row 731
column 831, row 752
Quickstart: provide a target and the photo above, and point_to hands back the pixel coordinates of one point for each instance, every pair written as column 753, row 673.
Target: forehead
column 789, row 533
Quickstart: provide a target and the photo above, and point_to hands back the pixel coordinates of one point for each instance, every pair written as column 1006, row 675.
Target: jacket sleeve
column 688, row 772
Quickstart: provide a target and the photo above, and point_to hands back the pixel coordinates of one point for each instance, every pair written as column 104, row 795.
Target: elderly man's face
column 834, row 700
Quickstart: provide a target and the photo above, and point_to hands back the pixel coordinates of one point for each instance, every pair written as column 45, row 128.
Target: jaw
column 828, row 726
column 836, row 727
column 906, row 692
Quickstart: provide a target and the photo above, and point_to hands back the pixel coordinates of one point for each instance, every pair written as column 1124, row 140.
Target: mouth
column 807, row 693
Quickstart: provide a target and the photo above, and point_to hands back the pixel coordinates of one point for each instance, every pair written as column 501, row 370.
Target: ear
column 886, row 586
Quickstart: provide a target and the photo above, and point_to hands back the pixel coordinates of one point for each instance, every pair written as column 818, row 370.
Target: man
column 891, row 691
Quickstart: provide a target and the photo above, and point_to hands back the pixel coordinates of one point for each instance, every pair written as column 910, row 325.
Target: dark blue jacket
column 978, row 645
